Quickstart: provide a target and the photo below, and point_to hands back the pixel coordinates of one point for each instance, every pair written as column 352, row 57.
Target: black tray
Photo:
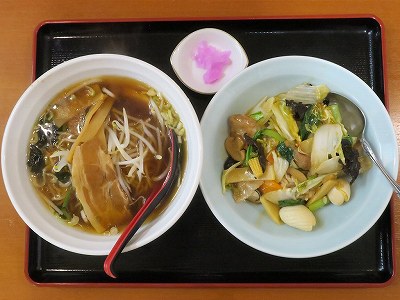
column 197, row 250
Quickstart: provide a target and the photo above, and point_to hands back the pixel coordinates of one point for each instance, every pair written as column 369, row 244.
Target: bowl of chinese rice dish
column 283, row 174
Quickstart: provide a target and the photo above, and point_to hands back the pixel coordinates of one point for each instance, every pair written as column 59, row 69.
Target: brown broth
column 131, row 95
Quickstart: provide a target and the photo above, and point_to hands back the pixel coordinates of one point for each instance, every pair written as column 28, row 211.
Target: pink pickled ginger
column 212, row 60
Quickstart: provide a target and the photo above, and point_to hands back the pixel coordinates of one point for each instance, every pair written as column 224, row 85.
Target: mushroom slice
column 238, row 175
column 302, row 160
column 243, row 190
column 255, row 197
column 234, row 146
column 241, row 124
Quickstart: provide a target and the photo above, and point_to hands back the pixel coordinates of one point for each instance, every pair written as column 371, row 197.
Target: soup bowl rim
column 16, row 139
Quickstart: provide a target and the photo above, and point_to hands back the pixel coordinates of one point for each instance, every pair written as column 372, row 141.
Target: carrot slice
column 270, row 158
column 269, row 186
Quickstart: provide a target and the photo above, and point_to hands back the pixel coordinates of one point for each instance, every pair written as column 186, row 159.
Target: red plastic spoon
column 151, row 203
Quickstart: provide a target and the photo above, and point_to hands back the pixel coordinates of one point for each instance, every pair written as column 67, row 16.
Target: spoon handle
column 151, row 203
column 368, row 149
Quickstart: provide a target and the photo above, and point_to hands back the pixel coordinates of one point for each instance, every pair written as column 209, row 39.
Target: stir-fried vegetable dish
column 292, row 154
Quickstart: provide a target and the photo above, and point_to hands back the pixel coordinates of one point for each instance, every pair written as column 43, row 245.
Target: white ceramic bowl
column 18, row 131
column 337, row 226
column 185, row 67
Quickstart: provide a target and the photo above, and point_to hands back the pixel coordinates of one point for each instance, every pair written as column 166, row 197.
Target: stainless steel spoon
column 158, row 194
column 354, row 120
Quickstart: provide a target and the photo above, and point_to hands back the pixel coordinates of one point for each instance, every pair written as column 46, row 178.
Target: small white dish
column 184, row 65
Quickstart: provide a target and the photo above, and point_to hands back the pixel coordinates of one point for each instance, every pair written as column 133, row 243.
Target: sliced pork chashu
column 95, row 179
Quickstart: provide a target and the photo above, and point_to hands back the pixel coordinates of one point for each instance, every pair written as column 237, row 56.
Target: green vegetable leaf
column 285, row 121
column 64, row 207
column 307, row 185
column 257, row 115
column 285, row 152
column 291, row 202
column 310, row 122
column 67, row 198
column 250, row 153
column 66, row 214
column 334, row 108
column 268, row 133
column 318, row 204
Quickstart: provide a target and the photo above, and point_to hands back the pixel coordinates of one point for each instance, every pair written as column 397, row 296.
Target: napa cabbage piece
column 284, row 121
column 319, row 114
column 225, row 173
column 308, row 94
column 269, row 173
column 239, row 174
column 335, row 112
column 327, row 146
column 312, row 119
column 279, row 195
column 307, row 185
column 280, row 166
column 263, row 109
column 331, row 165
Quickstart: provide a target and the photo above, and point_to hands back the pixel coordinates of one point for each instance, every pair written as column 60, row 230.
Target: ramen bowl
column 18, row 132
column 337, row 226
